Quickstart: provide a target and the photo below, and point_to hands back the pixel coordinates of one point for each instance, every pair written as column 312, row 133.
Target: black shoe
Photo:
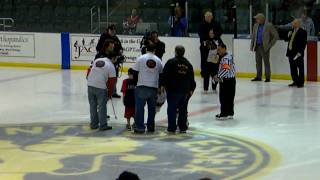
column 171, row 132
column 299, row 86
column 128, row 127
column 292, row 85
column 221, row 117
column 94, row 127
column 150, row 130
column 136, row 131
column 106, row 128
column 256, row 79
column 267, row 80
column 116, row 96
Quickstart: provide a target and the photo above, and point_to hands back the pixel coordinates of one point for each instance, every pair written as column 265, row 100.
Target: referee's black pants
column 226, row 94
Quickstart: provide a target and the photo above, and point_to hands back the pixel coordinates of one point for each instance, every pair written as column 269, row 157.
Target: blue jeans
column 98, row 110
column 145, row 95
column 177, row 102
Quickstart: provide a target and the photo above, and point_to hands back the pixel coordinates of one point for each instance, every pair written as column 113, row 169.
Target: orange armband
column 225, row 66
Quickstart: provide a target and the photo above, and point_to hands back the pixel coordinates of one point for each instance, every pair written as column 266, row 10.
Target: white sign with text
column 17, row 45
column 83, row 47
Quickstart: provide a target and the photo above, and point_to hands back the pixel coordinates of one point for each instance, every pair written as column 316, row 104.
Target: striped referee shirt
column 227, row 68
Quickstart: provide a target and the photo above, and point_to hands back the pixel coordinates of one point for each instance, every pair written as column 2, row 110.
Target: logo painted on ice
column 51, row 151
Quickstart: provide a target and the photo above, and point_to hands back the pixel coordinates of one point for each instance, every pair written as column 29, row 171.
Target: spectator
column 126, row 175
column 110, row 33
column 226, row 77
column 295, row 52
column 212, row 64
column 148, row 67
column 100, row 83
column 160, row 46
column 204, row 28
column 306, row 23
column 128, row 88
column 178, row 80
column 263, row 39
column 178, row 23
column 131, row 22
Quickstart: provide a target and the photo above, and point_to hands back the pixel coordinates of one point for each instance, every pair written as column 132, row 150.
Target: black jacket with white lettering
column 178, row 76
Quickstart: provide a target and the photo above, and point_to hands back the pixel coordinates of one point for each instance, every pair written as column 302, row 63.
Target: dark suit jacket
column 299, row 43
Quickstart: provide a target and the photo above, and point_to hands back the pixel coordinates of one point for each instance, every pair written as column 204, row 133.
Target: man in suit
column 263, row 38
column 295, row 52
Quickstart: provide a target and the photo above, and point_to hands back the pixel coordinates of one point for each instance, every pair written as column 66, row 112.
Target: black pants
column 207, row 69
column 297, row 70
column 226, row 94
column 211, row 70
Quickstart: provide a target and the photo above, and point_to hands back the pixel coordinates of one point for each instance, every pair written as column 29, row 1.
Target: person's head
column 134, row 12
column 108, row 46
column 260, row 18
column 178, row 11
column 130, row 73
column 111, row 30
column 211, row 33
column 126, row 175
column 208, row 16
column 222, row 49
column 154, row 36
column 179, row 51
column 296, row 23
column 151, row 48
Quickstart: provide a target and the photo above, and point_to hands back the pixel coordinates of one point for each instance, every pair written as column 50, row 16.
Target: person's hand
column 216, row 79
column 205, row 43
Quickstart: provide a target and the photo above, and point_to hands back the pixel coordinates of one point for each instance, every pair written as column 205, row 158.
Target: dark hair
column 111, row 27
column 180, row 51
column 151, row 47
column 130, row 71
column 154, row 32
column 126, row 175
column 106, row 43
column 223, row 46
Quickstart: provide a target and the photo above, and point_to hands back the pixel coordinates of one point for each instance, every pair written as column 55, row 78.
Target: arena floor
column 44, row 133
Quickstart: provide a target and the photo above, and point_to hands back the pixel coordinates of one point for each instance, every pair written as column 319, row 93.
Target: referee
column 226, row 77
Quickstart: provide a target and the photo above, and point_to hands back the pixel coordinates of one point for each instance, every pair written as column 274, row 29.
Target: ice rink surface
column 280, row 124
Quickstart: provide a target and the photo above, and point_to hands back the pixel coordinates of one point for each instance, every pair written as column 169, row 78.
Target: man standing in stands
column 101, row 80
column 160, row 46
column 226, row 77
column 178, row 80
column 110, row 33
column 295, row 52
column 204, row 29
column 263, row 38
column 148, row 67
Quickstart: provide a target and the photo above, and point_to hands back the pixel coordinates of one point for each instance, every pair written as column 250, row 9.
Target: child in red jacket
column 128, row 88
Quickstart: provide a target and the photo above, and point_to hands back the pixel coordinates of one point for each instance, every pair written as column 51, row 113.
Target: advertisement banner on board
column 83, row 47
column 17, row 45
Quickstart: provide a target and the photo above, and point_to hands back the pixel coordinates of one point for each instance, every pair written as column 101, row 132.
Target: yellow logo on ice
column 62, row 150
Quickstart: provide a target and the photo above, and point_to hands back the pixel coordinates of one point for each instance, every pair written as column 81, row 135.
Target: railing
column 95, row 15
column 5, row 25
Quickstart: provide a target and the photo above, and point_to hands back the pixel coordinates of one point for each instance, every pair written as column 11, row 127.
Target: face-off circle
column 75, row 152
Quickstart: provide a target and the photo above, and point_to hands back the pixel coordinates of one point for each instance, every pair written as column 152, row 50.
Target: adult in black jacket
column 178, row 80
column 204, row 28
column 160, row 46
column 297, row 38
column 110, row 33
